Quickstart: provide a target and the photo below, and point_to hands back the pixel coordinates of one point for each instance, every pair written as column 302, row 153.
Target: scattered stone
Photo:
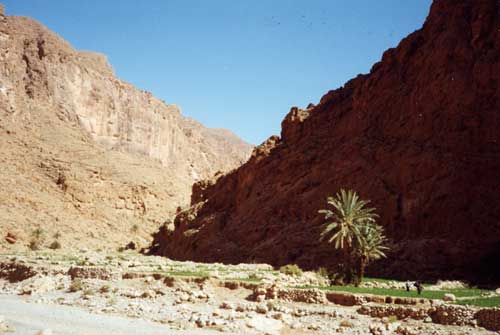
column 5, row 327
column 47, row 331
column 11, row 238
column 449, row 297
column 226, row 305
column 265, row 325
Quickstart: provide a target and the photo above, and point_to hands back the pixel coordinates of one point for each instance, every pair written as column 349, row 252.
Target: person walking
column 419, row 287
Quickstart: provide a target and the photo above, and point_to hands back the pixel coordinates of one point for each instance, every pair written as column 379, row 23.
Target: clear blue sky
column 232, row 63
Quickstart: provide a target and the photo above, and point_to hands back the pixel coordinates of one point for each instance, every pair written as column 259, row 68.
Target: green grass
column 481, row 302
column 248, row 280
column 378, row 280
column 428, row 294
column 383, row 291
column 187, row 274
column 174, row 273
column 467, row 292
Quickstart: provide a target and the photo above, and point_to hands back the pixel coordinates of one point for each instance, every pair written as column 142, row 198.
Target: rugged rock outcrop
column 79, row 147
column 418, row 136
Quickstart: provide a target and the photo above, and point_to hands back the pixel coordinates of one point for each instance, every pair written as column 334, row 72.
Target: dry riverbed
column 127, row 293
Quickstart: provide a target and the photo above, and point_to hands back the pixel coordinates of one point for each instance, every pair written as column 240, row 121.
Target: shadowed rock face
column 418, row 136
column 79, row 147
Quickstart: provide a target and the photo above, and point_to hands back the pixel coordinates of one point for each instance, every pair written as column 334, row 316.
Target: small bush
column 392, row 318
column 112, row 301
column 272, row 305
column 55, row 245
column 346, row 324
column 134, row 229
column 35, row 244
column 322, row 272
column 76, row 286
column 291, row 270
column 105, row 289
column 88, row 292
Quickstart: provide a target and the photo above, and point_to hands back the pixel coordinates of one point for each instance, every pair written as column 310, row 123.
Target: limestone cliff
column 82, row 148
column 418, row 135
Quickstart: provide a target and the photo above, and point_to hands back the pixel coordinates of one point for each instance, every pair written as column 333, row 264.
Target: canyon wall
column 418, row 136
column 87, row 153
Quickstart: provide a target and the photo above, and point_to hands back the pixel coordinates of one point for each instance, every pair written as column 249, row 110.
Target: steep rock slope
column 87, row 154
column 419, row 136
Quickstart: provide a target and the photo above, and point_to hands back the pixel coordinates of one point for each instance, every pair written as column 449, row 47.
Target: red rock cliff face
column 419, row 136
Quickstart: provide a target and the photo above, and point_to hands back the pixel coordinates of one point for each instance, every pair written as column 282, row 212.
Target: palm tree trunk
column 348, row 263
column 361, row 270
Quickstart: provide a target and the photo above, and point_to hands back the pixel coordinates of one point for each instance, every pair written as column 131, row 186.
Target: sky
column 236, row 64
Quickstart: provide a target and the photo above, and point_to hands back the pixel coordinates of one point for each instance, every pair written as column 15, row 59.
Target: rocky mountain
column 418, row 136
column 87, row 154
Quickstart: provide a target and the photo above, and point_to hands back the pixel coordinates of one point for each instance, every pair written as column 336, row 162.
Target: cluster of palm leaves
column 351, row 226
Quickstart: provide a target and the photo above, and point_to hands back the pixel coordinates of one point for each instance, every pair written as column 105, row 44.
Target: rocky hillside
column 87, row 154
column 418, row 136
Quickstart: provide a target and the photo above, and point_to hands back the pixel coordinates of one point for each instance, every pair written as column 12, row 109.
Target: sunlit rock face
column 124, row 155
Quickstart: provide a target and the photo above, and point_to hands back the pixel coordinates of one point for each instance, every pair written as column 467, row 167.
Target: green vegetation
column 105, row 288
column 34, row 244
column 88, row 292
column 134, row 229
column 55, row 245
column 346, row 324
column 322, row 272
column 76, row 286
column 112, row 301
column 472, row 293
column 200, row 274
column 351, row 227
column 37, row 237
column 291, row 270
column 481, row 302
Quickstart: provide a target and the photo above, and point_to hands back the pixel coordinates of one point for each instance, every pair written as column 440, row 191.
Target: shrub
column 112, row 301
column 36, row 239
column 273, row 305
column 322, row 272
column 76, row 286
column 291, row 270
column 134, row 229
column 55, row 245
column 88, row 292
column 105, row 289
column 346, row 324
column 34, row 244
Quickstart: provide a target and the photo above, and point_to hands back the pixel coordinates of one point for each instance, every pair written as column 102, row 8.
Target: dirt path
column 28, row 318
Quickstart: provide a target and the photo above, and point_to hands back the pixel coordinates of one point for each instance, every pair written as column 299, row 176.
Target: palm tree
column 369, row 247
column 344, row 223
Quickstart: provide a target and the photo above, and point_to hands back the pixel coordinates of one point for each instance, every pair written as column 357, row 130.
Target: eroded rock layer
column 87, row 154
column 418, row 136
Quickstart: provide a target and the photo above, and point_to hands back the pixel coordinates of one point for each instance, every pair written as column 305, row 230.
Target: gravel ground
column 28, row 318
column 134, row 294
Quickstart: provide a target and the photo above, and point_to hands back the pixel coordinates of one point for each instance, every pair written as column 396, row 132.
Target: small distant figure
column 408, row 285
column 419, row 286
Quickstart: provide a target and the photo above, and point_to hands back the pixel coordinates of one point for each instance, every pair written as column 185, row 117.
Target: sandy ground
column 28, row 318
